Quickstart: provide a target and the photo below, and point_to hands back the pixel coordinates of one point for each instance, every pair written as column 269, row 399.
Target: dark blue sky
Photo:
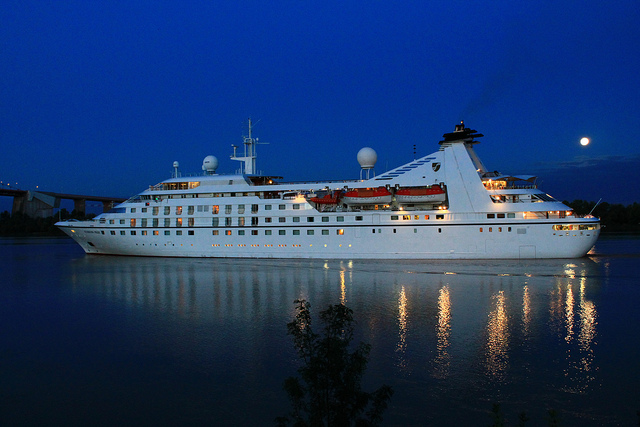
column 101, row 97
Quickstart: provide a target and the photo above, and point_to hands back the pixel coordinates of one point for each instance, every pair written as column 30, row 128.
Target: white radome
column 367, row 157
column 210, row 164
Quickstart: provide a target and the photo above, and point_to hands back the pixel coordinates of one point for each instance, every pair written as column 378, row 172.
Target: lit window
column 215, row 209
column 178, row 222
column 340, row 232
column 178, row 210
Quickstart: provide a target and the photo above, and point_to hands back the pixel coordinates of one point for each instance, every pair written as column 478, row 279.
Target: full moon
column 584, row 141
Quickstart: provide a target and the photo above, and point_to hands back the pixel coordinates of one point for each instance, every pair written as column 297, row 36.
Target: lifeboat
column 432, row 194
column 328, row 199
column 367, row 196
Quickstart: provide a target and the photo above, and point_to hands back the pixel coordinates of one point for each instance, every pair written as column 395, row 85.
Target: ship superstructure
column 446, row 205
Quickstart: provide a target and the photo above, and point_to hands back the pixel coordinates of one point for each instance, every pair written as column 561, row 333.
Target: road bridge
column 40, row 204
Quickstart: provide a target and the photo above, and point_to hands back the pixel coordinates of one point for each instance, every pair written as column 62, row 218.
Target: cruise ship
column 446, row 205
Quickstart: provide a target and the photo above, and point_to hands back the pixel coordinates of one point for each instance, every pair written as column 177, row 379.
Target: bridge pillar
column 107, row 206
column 79, row 205
column 37, row 205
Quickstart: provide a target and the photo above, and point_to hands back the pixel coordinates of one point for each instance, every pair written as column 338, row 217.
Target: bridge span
column 40, row 204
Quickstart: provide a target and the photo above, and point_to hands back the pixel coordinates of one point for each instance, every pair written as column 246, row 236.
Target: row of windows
column 215, row 209
column 216, row 222
column 339, row 232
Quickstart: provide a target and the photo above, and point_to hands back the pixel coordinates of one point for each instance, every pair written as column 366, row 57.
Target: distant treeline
column 19, row 224
column 613, row 217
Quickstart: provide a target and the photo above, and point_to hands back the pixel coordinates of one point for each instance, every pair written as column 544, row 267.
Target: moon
column 584, row 141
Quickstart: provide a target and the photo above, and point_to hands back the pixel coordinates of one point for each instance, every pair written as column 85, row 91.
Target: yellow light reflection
column 526, row 311
column 402, row 329
column 343, row 289
column 568, row 313
column 498, row 338
column 443, row 332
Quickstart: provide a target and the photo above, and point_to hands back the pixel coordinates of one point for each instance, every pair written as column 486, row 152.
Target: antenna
column 596, row 205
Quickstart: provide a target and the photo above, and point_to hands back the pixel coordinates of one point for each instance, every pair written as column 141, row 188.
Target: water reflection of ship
column 476, row 312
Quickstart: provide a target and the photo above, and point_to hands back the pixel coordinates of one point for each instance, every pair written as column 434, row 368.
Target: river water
column 101, row 340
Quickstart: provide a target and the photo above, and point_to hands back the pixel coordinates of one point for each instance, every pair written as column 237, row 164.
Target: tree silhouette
column 328, row 392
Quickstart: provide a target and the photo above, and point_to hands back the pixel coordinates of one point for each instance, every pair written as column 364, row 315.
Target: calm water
column 97, row 340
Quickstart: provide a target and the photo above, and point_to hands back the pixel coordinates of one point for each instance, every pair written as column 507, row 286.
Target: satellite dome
column 367, row 158
column 210, row 164
column 176, row 164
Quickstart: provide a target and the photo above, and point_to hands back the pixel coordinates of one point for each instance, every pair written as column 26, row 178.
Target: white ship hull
column 249, row 216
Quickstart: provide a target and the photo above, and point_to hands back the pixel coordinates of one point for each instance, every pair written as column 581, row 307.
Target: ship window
column 310, row 232
column 325, row 219
column 144, row 232
column 282, row 219
column 296, row 232
column 214, row 222
column 325, row 232
column 282, row 232
column 509, row 229
column 227, row 222
column 267, row 207
column 178, row 232
column 215, row 232
column 111, row 221
column 254, row 232
column 499, row 229
column 133, row 222
column 167, row 222
column 394, row 217
column 133, row 210
column 426, row 217
column 406, row 217
column 156, row 233
column 215, row 209
column 439, row 216
column 511, row 215
column 133, row 232
column 190, row 210
column 254, row 221
column 359, row 218
column 491, row 216
column 240, row 209
column 143, row 222
column 439, row 230
column 241, row 221
column 394, row 230
column 310, row 219
column 122, row 221
column 155, row 210
column 254, row 208
column 267, row 219
column 227, row 209
column 155, row 222
column 227, row 232
column 190, row 221
column 296, row 219
column 167, row 210
column 240, row 232
column 113, row 232
column 481, row 229
column 490, row 229
column 167, row 232
column 144, row 210
column 178, row 222
column 282, row 207
column 340, row 232
column 267, row 232
column 296, row 206
column 501, row 215
column 340, row 219
column 122, row 232
column 416, row 217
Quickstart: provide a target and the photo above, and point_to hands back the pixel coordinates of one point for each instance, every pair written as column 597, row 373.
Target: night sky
column 100, row 98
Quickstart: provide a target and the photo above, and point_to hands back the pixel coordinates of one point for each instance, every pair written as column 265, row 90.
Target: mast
column 249, row 157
